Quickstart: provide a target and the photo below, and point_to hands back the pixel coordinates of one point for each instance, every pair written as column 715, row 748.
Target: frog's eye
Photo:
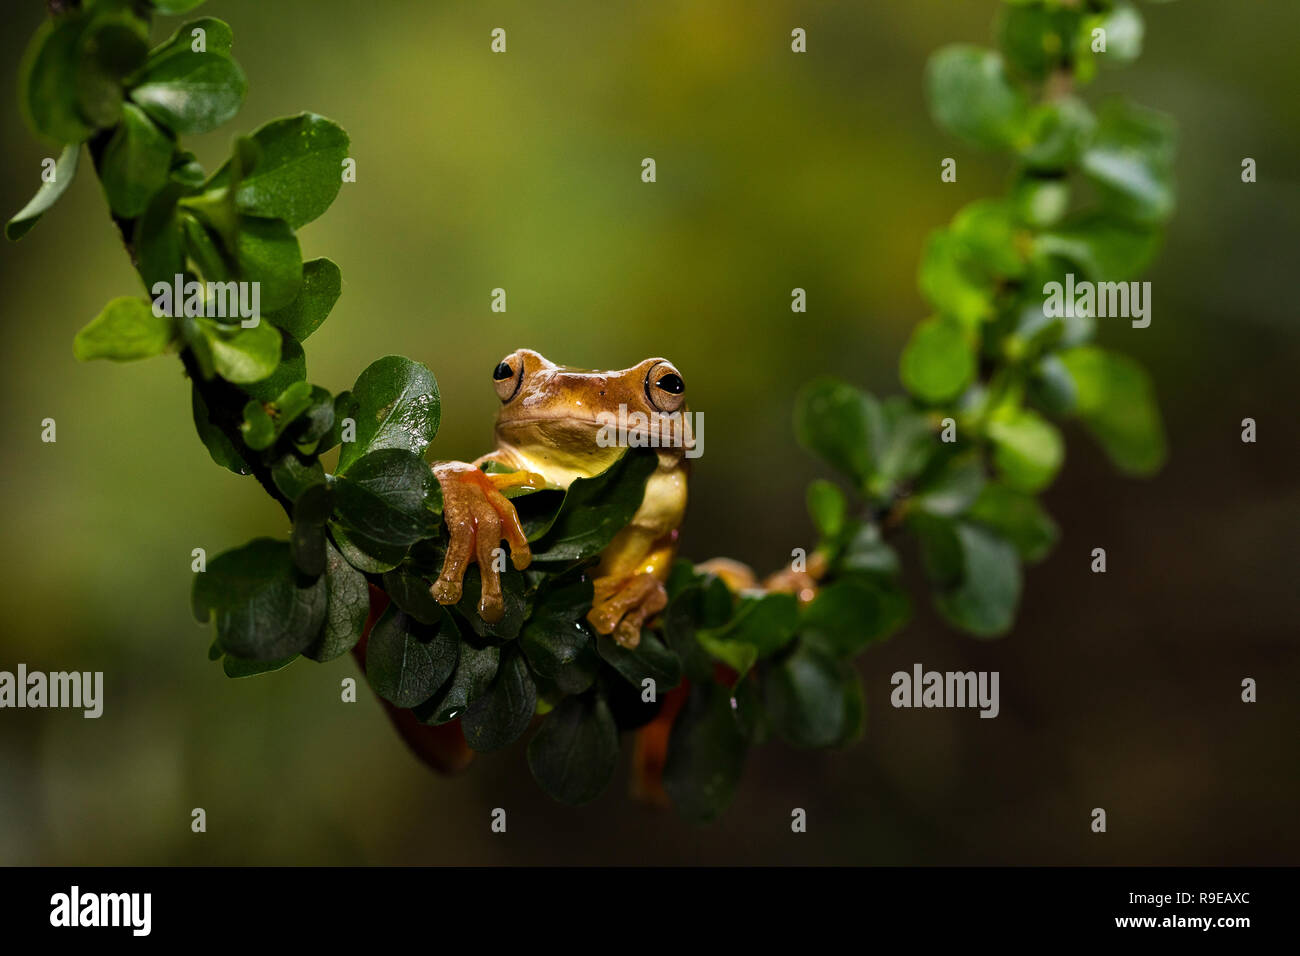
column 507, row 377
column 665, row 388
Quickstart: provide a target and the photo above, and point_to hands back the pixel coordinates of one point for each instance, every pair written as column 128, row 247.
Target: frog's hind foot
column 621, row 605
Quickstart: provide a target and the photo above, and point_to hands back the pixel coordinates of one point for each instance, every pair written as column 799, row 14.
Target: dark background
column 475, row 171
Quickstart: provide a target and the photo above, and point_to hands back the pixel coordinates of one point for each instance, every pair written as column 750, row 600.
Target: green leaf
column 159, row 239
column 307, row 537
column 831, row 419
column 48, row 83
column 239, row 667
column 574, row 753
column 1041, row 201
column 293, row 473
column 298, row 173
column 828, row 508
column 950, row 490
column 866, row 552
column 220, row 447
column 849, row 614
column 390, row 497
column 1018, row 517
column 1036, row 40
column 65, row 170
column 971, row 96
column 975, row 575
column 556, row 639
column 190, row 93
column 406, row 661
column 807, row 698
column 651, row 659
column 237, row 354
column 470, row 681
column 264, row 610
column 500, row 717
column 217, row 37
column 990, row 238
column 1028, row 449
column 291, row 371
column 595, row 509
column 411, row 593
column 1117, row 403
column 267, row 253
column 512, row 595
column 939, row 360
column 349, row 606
column 766, row 624
column 1131, row 162
column 1124, row 29
column 902, row 442
column 322, row 284
column 135, row 163
column 373, row 557
column 706, row 754
column 1106, row 250
column 953, row 282
column 127, row 329
column 1056, row 133
column 395, row 405
column 175, row 6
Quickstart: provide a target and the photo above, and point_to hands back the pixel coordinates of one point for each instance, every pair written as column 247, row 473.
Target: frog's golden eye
column 664, row 388
column 508, row 376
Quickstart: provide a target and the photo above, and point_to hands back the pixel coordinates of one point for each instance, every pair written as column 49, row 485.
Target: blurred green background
column 774, row 171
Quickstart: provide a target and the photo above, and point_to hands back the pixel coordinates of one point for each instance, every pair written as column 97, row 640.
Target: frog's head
column 553, row 411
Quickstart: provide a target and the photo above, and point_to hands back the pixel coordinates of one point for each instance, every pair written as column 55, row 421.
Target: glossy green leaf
column 827, row 507
column 500, row 717
column 950, row 489
column 651, row 659
column 237, row 354
column 706, row 754
column 267, row 253
column 395, row 405
column 48, row 79
column 557, row 641
column 472, row 678
column 322, row 284
column 975, row 575
column 866, row 552
column 1018, row 517
column 1117, row 404
column 219, row 446
column 65, row 170
column 939, row 360
column 831, row 419
column 190, row 93
column 127, row 329
column 595, row 509
column 1130, row 161
column 135, row 164
column 264, row 610
column 240, row 667
column 406, row 661
column 953, row 282
column 848, row 615
column 1028, row 449
column 1106, row 250
column 574, row 753
column 391, row 497
column 970, row 96
column 806, row 698
column 349, row 606
column 299, row 170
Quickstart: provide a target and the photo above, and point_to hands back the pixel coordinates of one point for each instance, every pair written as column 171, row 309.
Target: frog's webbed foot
column 621, row 605
column 478, row 516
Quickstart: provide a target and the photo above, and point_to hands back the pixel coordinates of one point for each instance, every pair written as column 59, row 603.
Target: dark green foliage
column 957, row 463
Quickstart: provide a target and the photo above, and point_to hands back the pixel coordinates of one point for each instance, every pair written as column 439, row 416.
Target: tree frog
column 548, row 430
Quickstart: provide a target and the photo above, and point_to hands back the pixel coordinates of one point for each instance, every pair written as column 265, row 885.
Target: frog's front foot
column 478, row 516
column 621, row 605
